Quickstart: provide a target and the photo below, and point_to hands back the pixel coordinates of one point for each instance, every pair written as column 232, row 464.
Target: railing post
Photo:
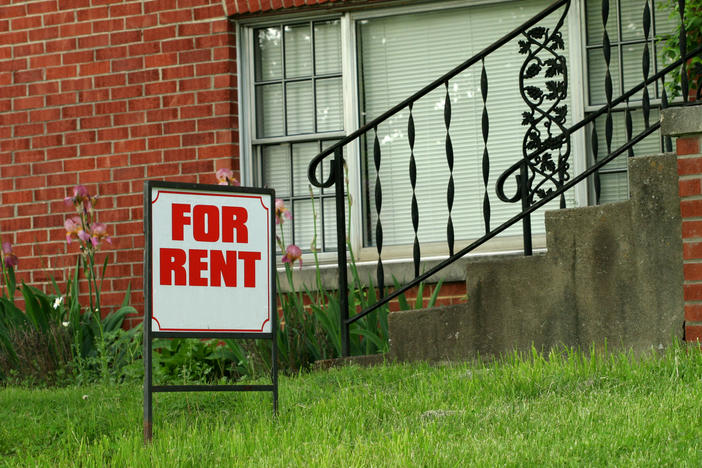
column 341, row 247
column 524, row 191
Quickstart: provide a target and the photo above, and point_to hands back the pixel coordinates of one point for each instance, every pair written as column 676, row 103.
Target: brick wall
column 689, row 149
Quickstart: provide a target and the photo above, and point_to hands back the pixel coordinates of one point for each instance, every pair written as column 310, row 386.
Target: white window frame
column 398, row 254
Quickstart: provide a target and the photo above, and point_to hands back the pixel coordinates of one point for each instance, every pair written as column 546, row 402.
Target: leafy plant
column 671, row 45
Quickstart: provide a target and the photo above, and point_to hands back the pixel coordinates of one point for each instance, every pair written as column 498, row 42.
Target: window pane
column 298, row 105
column 615, row 187
column 632, row 66
column 327, row 47
column 275, row 160
column 596, row 69
column 632, row 20
column 298, row 51
column 304, row 224
column 595, row 30
column 330, row 105
column 302, row 155
column 269, row 104
column 267, row 53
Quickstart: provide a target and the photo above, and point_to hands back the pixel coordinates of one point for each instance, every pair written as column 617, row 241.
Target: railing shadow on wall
column 542, row 175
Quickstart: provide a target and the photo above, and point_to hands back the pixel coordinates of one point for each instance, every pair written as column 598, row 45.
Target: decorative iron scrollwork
column 543, row 85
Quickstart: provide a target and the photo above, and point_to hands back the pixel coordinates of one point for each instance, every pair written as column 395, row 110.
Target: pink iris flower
column 226, row 177
column 99, row 232
column 74, row 229
column 9, row 258
column 80, row 193
column 281, row 211
column 292, row 253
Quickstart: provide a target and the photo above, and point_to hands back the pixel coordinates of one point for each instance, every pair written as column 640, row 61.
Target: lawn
column 566, row 409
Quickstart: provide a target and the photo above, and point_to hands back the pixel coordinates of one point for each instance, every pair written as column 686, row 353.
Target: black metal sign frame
column 149, row 334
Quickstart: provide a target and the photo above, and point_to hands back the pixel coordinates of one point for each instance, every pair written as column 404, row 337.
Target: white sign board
column 211, row 258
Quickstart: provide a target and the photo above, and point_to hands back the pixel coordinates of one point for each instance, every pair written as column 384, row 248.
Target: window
column 627, row 39
column 297, row 88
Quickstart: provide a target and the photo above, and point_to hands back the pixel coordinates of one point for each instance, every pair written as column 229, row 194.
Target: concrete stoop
column 612, row 274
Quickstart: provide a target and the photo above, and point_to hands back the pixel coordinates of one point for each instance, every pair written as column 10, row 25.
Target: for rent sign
column 211, row 258
column 209, row 264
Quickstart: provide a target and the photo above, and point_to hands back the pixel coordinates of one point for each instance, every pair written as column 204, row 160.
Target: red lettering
column 234, row 219
column 178, row 219
column 221, row 268
column 249, row 259
column 172, row 261
column 196, row 266
column 206, row 227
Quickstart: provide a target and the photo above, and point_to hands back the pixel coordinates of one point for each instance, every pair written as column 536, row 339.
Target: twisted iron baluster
column 667, row 140
column 486, row 158
column 683, row 51
column 645, row 63
column 596, row 176
column 628, row 125
column 606, row 49
column 449, row 160
column 380, row 274
column 413, row 181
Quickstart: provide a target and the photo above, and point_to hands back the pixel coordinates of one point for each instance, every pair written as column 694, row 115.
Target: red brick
column 109, row 81
column 146, row 130
column 101, row 121
column 61, row 99
column 144, row 76
column 161, row 60
column 47, row 141
column 128, row 64
column 159, row 115
column 100, row 175
column 164, row 142
column 46, row 87
column 205, row 13
column 28, row 103
column 60, row 126
column 691, row 229
column 94, row 149
column 130, row 118
column 692, row 292
column 693, row 312
column 213, row 123
column 692, row 250
column 76, row 85
column 127, row 173
column 93, row 13
column 34, row 48
column 689, row 187
column 61, row 73
column 125, row 92
column 83, row 56
column 79, row 164
column 693, row 333
column 29, row 156
column 159, row 34
column 77, row 111
column 175, row 16
column 689, row 145
column 76, row 29
column 195, row 29
column 35, row 8
column 114, row 24
column 28, row 130
column 691, row 208
column 111, row 134
column 142, row 22
column 95, row 68
column 44, row 33
column 162, row 170
column 109, row 53
column 194, row 56
column 184, row 71
column 145, row 48
column 110, row 107
column 129, row 146
column 94, row 41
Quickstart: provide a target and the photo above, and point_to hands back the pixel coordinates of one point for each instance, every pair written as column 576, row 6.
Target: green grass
column 565, row 410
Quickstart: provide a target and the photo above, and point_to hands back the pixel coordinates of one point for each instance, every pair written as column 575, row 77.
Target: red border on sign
column 268, row 263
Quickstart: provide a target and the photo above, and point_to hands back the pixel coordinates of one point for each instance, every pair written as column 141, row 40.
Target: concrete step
column 611, row 274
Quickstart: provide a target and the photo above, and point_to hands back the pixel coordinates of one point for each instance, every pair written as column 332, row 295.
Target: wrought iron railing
column 542, row 174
